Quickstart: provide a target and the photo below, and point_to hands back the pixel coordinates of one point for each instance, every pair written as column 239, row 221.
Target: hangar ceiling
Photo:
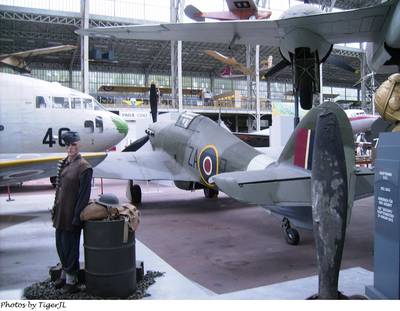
column 26, row 28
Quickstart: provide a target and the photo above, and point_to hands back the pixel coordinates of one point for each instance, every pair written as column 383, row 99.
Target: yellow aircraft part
column 387, row 98
column 9, row 163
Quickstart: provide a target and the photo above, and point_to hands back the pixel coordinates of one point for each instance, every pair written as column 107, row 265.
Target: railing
column 195, row 104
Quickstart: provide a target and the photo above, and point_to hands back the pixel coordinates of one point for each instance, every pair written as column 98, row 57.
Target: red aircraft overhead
column 238, row 9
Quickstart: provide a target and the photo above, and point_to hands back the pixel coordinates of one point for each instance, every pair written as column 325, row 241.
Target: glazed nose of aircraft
column 121, row 128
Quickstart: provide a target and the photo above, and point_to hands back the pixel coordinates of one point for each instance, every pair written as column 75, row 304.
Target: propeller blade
column 363, row 79
column 137, row 144
column 194, row 13
column 275, row 69
column 153, row 102
column 340, row 63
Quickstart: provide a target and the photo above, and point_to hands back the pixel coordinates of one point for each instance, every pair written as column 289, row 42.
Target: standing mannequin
column 72, row 195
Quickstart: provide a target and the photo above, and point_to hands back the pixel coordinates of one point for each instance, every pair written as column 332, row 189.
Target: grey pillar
column 236, row 123
column 180, row 92
column 176, row 7
column 363, row 74
column 249, row 86
column 257, row 73
column 71, row 64
column 85, row 47
column 321, row 92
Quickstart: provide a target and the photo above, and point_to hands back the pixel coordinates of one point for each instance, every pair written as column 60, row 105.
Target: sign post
column 387, row 219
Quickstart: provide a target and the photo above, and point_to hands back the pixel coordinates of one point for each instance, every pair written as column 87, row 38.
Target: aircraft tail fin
column 299, row 148
column 194, row 13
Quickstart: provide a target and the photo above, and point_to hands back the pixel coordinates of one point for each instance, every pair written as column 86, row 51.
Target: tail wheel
column 292, row 236
column 210, row 193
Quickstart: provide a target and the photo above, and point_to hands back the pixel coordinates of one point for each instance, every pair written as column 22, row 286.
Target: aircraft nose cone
column 121, row 125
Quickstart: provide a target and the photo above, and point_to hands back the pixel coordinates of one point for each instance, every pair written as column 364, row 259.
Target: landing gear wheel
column 135, row 193
column 305, row 66
column 53, row 180
column 210, row 193
column 292, row 236
column 306, row 93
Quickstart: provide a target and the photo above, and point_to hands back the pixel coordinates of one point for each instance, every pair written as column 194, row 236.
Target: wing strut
column 234, row 38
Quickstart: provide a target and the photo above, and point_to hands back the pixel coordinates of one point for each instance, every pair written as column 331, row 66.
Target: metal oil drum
column 110, row 262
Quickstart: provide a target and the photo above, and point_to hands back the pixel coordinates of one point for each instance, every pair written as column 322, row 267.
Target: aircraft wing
column 282, row 184
column 17, row 168
column 43, row 51
column 276, row 184
column 361, row 25
column 152, row 165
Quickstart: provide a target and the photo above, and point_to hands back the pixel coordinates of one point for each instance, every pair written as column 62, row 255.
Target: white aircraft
column 33, row 116
column 360, row 121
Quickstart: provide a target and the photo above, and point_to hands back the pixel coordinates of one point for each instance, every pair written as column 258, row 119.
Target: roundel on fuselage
column 208, row 163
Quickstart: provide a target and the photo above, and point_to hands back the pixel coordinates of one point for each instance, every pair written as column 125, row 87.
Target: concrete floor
column 209, row 249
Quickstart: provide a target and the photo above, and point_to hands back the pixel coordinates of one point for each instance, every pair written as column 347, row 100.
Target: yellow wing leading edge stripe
column 89, row 155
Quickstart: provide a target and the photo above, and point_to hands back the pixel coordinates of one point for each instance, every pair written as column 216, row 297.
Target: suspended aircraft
column 19, row 60
column 238, row 9
column 234, row 64
column 304, row 34
column 33, row 116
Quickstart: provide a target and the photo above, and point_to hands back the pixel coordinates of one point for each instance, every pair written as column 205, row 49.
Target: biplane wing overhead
column 17, row 59
column 232, row 62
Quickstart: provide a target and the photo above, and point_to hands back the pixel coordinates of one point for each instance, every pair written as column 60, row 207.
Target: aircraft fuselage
column 35, row 113
column 202, row 147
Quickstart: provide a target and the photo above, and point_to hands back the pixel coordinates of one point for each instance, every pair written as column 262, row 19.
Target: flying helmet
column 387, row 98
column 70, row 137
column 108, row 200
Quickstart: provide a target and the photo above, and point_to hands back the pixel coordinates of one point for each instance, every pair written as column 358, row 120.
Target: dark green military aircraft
column 196, row 153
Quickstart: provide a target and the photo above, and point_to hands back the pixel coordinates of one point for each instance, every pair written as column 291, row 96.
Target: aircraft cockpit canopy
column 185, row 119
column 72, row 102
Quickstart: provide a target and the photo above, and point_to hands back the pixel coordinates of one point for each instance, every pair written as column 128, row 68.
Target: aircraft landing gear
column 305, row 66
column 134, row 193
column 210, row 193
column 292, row 236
